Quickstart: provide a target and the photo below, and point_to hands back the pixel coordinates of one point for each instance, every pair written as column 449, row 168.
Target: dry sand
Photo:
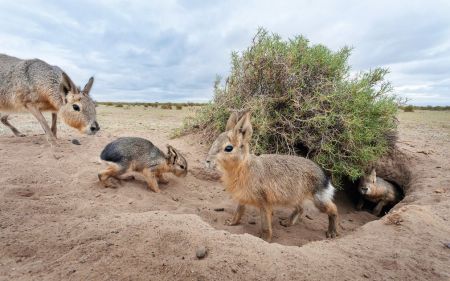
column 58, row 223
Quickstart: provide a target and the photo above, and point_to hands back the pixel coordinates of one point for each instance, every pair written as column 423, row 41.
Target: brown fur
column 270, row 180
column 152, row 177
column 379, row 191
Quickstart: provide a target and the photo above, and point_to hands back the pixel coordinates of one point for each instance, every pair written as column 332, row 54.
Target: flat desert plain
column 58, row 223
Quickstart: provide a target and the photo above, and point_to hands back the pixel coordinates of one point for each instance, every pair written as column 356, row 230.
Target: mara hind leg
column 240, row 209
column 330, row 209
column 54, row 127
column 266, row 223
column 293, row 217
column 150, row 178
column 4, row 120
column 108, row 177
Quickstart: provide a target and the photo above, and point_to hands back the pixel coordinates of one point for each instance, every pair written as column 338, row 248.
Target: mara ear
column 373, row 176
column 244, row 127
column 66, row 84
column 172, row 154
column 88, row 86
column 232, row 121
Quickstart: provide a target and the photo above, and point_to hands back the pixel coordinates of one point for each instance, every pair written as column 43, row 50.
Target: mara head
column 231, row 146
column 79, row 108
column 176, row 162
column 368, row 183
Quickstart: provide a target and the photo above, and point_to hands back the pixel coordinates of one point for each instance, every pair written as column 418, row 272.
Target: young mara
column 35, row 86
column 377, row 190
column 269, row 180
column 127, row 155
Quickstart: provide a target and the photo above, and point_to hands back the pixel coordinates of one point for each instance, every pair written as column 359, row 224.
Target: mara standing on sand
column 35, row 86
column 269, row 180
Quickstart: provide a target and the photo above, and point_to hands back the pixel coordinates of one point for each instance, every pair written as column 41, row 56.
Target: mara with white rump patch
column 35, row 86
column 269, row 180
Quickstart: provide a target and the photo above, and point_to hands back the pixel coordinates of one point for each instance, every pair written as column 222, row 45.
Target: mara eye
column 182, row 167
column 76, row 107
column 228, row 148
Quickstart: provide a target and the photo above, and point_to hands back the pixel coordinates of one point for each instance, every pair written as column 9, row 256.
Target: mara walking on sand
column 125, row 156
column 35, row 86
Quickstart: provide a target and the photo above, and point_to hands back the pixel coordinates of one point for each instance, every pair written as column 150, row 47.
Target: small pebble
column 366, row 275
column 251, row 222
column 76, row 142
column 219, row 209
column 447, row 244
column 201, row 252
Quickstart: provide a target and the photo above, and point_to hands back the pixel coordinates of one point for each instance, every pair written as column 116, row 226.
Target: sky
column 172, row 50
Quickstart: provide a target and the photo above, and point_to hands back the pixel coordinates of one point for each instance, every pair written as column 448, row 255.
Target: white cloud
column 172, row 50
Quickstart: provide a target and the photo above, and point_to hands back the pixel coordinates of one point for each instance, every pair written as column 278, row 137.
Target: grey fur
column 35, row 86
column 125, row 150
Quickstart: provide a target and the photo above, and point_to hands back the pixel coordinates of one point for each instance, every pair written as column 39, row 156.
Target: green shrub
column 408, row 108
column 179, row 107
column 304, row 101
column 119, row 105
column 166, row 106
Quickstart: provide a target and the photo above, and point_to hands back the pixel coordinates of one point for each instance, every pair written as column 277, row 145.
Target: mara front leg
column 150, row 178
column 377, row 210
column 37, row 113
column 237, row 215
column 54, row 125
column 161, row 178
column 293, row 218
column 360, row 204
column 4, row 120
column 266, row 223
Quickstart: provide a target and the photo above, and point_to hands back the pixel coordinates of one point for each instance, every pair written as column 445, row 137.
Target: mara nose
column 95, row 127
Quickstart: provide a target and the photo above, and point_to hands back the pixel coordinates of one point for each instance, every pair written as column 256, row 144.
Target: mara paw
column 331, row 234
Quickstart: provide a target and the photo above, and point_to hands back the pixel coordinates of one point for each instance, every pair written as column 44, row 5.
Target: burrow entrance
column 313, row 224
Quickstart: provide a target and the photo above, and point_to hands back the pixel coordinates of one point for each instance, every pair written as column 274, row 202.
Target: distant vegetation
column 411, row 108
column 408, row 108
column 304, row 101
column 165, row 105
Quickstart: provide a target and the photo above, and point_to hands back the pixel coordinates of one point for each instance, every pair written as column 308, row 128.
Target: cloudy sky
column 172, row 50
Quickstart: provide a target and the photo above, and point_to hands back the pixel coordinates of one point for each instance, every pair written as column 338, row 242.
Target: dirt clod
column 201, row 252
column 219, row 209
column 76, row 142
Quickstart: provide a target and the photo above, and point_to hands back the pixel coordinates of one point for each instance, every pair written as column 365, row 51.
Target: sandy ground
column 58, row 223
